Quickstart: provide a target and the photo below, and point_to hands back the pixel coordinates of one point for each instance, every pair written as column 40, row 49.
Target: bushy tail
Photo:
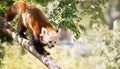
column 14, row 9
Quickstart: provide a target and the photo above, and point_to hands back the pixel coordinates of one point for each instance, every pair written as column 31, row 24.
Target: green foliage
column 4, row 6
column 104, row 45
column 41, row 2
column 68, row 14
column 93, row 8
column 4, row 37
column 65, row 15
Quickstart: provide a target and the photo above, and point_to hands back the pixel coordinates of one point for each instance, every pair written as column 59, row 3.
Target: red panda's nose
column 50, row 45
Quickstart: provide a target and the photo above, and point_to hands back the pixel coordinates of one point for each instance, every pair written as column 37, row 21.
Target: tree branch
column 48, row 61
column 113, row 14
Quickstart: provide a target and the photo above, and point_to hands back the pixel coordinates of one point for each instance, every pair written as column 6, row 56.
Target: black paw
column 45, row 53
column 22, row 35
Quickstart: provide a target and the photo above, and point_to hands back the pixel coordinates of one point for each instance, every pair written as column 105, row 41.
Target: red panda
column 33, row 19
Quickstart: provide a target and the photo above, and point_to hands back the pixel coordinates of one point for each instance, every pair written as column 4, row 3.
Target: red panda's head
column 49, row 38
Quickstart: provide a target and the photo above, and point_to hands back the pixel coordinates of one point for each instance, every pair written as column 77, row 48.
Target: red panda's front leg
column 39, row 46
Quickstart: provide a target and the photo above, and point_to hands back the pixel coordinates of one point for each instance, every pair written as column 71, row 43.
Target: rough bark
column 26, row 44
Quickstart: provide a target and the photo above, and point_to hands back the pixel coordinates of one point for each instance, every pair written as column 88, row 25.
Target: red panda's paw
column 22, row 35
column 45, row 53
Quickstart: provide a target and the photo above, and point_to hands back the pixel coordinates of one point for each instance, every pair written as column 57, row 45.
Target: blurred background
column 90, row 36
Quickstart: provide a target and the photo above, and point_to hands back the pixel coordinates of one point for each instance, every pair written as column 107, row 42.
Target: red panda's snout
column 50, row 44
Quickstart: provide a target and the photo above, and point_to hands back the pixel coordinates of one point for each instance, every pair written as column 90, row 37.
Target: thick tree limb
column 113, row 14
column 48, row 61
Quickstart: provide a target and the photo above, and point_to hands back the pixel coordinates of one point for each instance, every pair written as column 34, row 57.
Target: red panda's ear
column 43, row 31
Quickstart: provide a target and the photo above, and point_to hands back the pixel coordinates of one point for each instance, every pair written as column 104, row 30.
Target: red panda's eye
column 57, row 31
column 50, row 41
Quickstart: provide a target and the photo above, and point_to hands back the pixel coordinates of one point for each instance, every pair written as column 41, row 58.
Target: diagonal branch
column 48, row 61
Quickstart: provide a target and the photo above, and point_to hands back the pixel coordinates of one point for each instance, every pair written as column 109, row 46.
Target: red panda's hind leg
column 21, row 28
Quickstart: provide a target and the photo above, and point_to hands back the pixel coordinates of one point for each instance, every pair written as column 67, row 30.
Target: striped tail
column 15, row 8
